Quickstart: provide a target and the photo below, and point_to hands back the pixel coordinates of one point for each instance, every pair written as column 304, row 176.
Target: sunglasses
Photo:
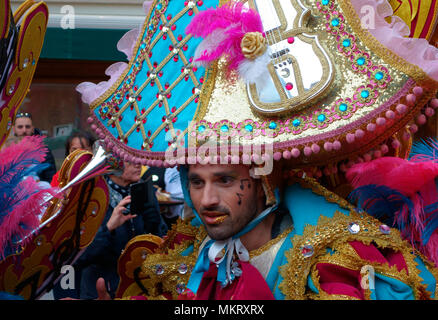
column 23, row 115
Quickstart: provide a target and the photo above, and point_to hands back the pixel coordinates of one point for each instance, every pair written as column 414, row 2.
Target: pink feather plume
column 223, row 29
column 21, row 197
column 413, row 179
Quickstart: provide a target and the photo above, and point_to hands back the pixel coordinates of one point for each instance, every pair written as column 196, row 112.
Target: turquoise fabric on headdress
column 167, row 75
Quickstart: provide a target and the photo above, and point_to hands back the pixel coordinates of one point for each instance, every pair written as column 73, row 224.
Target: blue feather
column 425, row 150
column 431, row 222
column 381, row 202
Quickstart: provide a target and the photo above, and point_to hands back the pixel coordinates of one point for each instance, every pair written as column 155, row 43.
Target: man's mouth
column 214, row 217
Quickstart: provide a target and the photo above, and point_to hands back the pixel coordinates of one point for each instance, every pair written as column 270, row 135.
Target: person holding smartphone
column 119, row 226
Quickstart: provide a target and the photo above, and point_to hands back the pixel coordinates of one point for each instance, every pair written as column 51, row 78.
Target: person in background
column 23, row 126
column 77, row 140
column 118, row 227
column 173, row 187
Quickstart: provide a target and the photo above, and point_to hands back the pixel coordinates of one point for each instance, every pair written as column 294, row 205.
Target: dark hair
column 80, row 135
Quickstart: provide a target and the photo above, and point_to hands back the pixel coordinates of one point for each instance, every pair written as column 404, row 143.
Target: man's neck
column 260, row 235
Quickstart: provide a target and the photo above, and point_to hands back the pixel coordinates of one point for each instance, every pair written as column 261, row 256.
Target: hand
column 102, row 292
column 117, row 217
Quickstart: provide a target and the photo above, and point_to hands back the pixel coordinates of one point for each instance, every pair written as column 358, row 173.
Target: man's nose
column 210, row 196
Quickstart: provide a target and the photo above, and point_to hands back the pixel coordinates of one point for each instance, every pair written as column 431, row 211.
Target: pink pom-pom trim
column 295, row 152
column 433, row 103
column 371, row 127
column 410, row 99
column 418, row 91
column 350, row 137
column 315, row 148
column 401, row 108
column 307, row 151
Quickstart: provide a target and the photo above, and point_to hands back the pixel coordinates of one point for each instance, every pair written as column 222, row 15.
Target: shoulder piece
column 352, row 256
column 161, row 273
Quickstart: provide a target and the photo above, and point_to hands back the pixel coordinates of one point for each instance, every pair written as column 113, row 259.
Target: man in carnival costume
column 250, row 100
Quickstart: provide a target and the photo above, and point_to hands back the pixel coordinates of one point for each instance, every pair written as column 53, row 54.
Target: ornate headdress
column 303, row 83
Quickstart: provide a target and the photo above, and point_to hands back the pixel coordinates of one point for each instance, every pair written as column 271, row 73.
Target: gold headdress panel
column 322, row 83
column 21, row 36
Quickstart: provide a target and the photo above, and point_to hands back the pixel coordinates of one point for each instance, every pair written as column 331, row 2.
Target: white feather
column 256, row 70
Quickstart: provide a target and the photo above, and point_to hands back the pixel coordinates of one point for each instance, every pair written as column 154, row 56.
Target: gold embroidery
column 269, row 244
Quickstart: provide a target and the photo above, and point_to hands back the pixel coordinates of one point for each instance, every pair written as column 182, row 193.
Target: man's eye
column 226, row 179
column 196, row 183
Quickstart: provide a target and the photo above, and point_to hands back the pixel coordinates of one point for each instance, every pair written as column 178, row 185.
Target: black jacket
column 101, row 256
column 48, row 173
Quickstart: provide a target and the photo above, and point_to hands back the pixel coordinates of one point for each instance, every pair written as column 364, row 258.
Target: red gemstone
column 289, row 86
column 160, row 74
column 166, row 85
column 173, row 109
column 120, row 118
column 166, row 128
column 173, row 27
column 139, row 98
column 169, row 17
column 195, row 69
column 196, row 100
column 185, row 47
column 169, row 95
column 150, row 54
column 190, row 12
column 291, row 40
column 164, row 36
column 170, row 48
column 138, row 129
column 200, row 3
column 201, row 80
column 143, row 111
column 163, row 118
column 132, row 107
column 113, row 125
column 175, row 58
column 186, row 77
column 155, row 64
column 174, row 119
column 152, row 83
column 180, row 38
column 135, row 88
column 149, row 133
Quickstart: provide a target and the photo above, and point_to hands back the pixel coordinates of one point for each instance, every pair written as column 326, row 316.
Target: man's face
column 131, row 172
column 225, row 197
column 23, row 127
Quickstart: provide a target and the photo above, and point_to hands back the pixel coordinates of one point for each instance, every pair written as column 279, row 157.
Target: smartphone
column 141, row 193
